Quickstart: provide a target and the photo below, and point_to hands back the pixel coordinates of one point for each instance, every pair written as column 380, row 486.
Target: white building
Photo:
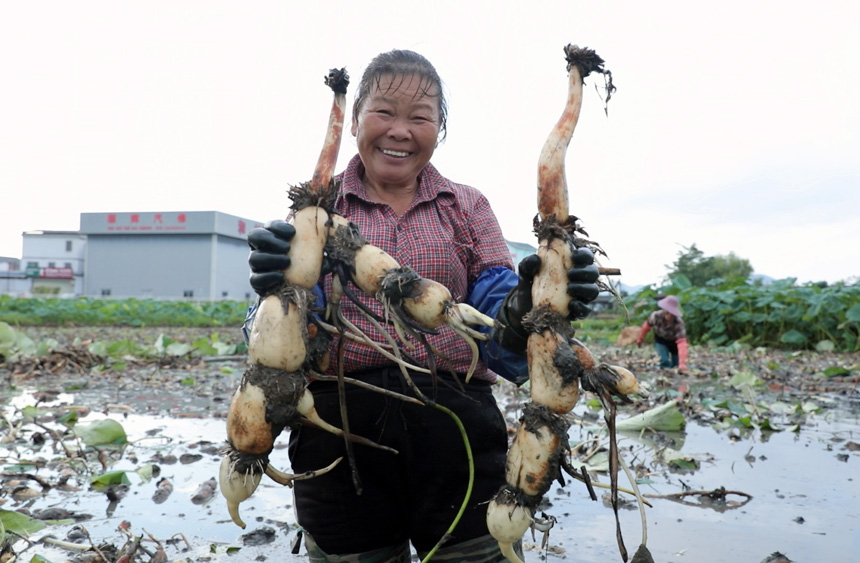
column 12, row 279
column 200, row 255
column 520, row 250
column 53, row 263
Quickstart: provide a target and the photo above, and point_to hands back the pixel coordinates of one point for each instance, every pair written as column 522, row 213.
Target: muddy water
column 805, row 500
column 804, row 487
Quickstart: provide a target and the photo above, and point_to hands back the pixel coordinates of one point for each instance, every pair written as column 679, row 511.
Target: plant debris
column 134, row 493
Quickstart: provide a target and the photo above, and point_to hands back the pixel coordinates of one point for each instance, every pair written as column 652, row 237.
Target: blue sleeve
column 486, row 295
column 249, row 320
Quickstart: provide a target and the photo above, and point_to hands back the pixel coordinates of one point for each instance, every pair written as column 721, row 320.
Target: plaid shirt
column 671, row 330
column 449, row 234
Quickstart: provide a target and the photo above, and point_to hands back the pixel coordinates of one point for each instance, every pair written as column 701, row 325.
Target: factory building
column 198, row 255
column 195, row 255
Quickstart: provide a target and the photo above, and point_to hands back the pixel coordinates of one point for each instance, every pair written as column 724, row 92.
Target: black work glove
column 270, row 247
column 581, row 287
column 517, row 303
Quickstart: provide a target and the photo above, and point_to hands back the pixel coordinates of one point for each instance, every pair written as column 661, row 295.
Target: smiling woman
column 397, row 120
column 449, row 247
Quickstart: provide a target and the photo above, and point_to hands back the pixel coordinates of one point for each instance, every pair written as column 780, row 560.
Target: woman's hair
column 403, row 63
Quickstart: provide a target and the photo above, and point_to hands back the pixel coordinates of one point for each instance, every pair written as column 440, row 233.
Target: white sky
column 735, row 125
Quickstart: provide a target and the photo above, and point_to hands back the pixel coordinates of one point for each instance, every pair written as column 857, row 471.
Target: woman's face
column 396, row 130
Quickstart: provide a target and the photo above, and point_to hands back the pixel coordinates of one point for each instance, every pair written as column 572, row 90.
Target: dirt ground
column 199, row 389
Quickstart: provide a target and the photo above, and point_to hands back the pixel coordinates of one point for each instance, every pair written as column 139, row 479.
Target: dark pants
column 668, row 352
column 410, row 496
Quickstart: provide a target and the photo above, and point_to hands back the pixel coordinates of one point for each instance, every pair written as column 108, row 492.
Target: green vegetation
column 723, row 307
column 779, row 315
column 123, row 312
column 602, row 328
column 720, row 312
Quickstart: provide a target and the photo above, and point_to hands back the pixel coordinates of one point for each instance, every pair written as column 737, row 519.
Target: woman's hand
column 517, row 303
column 582, row 288
column 270, row 247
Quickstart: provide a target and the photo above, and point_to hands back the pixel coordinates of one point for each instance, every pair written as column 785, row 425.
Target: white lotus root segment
column 236, row 487
column 278, row 336
column 311, row 225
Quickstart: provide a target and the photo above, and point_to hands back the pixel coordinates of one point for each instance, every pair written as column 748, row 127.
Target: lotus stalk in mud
column 559, row 365
column 273, row 394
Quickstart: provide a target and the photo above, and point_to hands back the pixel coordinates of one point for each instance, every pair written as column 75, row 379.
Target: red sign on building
column 57, row 273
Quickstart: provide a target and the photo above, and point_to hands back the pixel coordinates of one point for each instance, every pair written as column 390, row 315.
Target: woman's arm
column 486, row 295
column 682, row 353
column 645, row 328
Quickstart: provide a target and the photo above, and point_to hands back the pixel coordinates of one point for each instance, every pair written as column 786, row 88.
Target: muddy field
column 764, row 464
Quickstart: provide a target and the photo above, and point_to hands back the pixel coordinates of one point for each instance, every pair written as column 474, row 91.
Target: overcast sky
column 735, row 125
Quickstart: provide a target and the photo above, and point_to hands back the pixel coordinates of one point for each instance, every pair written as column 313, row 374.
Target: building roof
column 521, row 245
column 166, row 223
column 42, row 232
